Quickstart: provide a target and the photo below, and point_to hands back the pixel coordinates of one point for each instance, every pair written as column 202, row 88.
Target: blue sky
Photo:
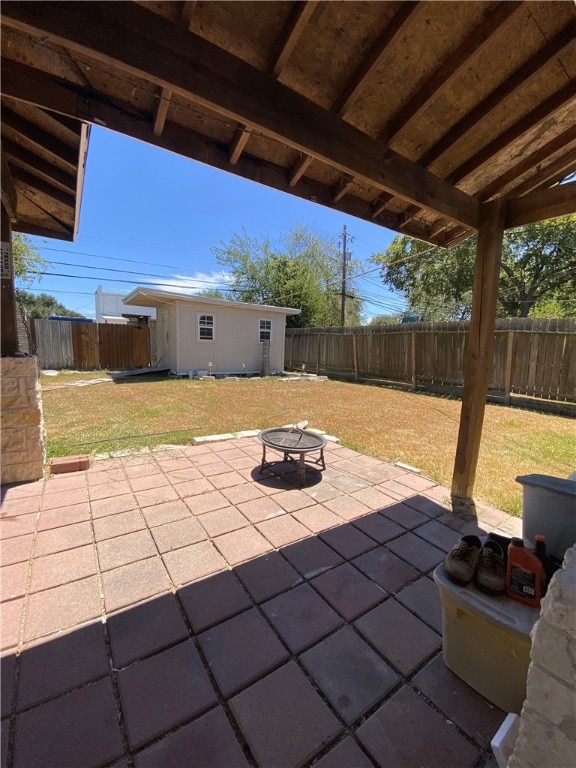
column 157, row 215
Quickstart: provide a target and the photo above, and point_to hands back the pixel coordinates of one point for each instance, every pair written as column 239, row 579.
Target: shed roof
column 156, row 298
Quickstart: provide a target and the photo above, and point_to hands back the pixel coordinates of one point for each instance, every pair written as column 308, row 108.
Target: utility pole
column 345, row 257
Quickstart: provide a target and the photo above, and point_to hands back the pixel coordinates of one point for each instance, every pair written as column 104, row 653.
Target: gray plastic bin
column 549, row 509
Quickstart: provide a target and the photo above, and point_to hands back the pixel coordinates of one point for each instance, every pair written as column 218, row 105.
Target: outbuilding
column 200, row 336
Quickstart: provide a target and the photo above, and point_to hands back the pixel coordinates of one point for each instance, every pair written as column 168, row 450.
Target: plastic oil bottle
column 524, row 574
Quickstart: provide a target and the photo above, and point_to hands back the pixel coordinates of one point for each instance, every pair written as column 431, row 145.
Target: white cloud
column 199, row 281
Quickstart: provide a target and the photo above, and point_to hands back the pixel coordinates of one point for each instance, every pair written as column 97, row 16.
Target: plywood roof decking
column 408, row 114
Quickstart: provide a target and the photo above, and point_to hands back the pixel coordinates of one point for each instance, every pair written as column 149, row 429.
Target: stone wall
column 22, row 451
column 547, row 735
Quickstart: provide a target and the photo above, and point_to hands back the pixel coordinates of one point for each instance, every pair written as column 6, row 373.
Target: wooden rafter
column 542, row 204
column 343, row 186
column 293, row 29
column 449, row 69
column 161, row 110
column 9, row 192
column 48, row 143
column 187, row 11
column 401, row 22
column 240, row 141
column 298, row 170
column 40, row 185
column 43, row 168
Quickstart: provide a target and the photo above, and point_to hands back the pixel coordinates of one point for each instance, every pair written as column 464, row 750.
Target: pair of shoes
column 470, row 559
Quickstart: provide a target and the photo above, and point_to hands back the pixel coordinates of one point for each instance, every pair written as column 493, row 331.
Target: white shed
column 110, row 308
column 194, row 332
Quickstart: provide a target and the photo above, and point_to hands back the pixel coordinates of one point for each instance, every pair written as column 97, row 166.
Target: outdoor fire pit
column 292, row 442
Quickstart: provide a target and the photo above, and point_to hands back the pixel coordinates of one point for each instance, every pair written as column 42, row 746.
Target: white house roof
column 154, row 297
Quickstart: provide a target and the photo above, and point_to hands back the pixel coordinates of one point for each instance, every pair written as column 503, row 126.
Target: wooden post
column 413, row 360
column 355, row 356
column 508, row 373
column 318, row 355
column 480, row 346
column 9, row 330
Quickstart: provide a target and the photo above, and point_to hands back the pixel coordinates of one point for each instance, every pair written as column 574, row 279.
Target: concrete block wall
column 547, row 734
column 22, row 426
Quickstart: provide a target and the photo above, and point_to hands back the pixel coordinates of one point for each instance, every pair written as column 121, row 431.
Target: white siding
column 110, row 305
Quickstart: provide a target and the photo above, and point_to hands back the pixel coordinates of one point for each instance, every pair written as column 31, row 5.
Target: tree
column 41, row 307
column 302, row 270
column 384, row 320
column 538, row 271
column 28, row 263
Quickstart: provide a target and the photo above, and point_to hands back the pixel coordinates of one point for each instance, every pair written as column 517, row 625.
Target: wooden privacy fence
column 91, row 346
column 531, row 356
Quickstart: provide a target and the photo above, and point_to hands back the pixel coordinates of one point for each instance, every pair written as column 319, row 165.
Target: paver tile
column 213, row 599
column 210, row 739
column 157, row 495
column 267, row 576
column 348, row 541
column 64, row 731
column 58, row 664
column 348, row 591
column 223, row 521
column 417, row 552
column 162, row 691
column 193, row 562
column 118, row 525
column 13, row 581
column 387, row 570
column 404, row 515
column 416, row 482
column 180, row 533
column 242, row 545
column 17, row 525
column 394, row 488
column 405, row 641
column 19, row 505
column 282, row 715
column 317, row 518
column 227, row 480
column 66, row 537
column 293, row 500
column 283, row 530
column 405, row 732
column 379, row 527
column 10, row 625
column 65, row 482
column 16, row 549
column 206, row 502
column 133, row 583
column 311, row 556
column 167, row 512
column 63, row 568
column 145, row 628
column 122, row 550
column 109, row 490
column 241, row 650
column 214, row 468
column 373, row 498
column 322, row 492
column 145, row 482
column 63, row 516
column 176, row 476
column 440, row 535
column 349, row 673
column 262, row 508
column 192, row 488
column 347, row 754
column 426, row 505
column 472, row 712
column 237, row 494
column 301, row 617
column 423, row 599
column 7, row 670
column 346, row 507
column 64, row 498
column 113, row 506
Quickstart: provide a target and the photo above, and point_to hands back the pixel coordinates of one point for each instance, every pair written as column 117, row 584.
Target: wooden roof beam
column 35, row 164
column 291, row 33
column 298, row 170
column 561, row 168
column 187, row 11
column 475, row 42
column 520, row 77
column 9, row 192
column 541, row 204
column 40, row 185
column 240, row 141
column 45, row 141
column 379, row 204
column 405, row 16
column 343, row 186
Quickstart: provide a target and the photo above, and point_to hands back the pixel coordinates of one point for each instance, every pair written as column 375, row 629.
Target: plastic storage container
column 549, row 508
column 486, row 641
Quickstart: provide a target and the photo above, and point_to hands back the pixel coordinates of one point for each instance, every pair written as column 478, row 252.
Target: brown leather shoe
column 491, row 570
column 460, row 563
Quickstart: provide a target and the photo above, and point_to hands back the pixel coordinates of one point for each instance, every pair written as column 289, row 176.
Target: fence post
column 355, row 356
column 508, row 373
column 291, row 337
column 318, row 355
column 413, row 360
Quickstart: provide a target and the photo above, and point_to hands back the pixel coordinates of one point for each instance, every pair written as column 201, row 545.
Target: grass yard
column 390, row 424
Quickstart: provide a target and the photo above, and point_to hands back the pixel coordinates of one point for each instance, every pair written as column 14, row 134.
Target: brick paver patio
column 178, row 608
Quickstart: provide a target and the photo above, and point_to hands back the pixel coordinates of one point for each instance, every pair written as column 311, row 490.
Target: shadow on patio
column 176, row 608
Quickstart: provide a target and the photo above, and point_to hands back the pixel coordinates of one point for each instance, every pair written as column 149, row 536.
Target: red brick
column 69, row 464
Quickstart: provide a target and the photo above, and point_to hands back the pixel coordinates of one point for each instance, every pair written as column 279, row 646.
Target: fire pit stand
column 292, row 441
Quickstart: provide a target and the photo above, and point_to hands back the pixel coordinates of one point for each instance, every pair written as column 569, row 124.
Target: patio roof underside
column 406, row 114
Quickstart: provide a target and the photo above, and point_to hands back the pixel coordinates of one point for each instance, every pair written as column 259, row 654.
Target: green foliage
column 28, row 263
column 384, row 320
column 538, row 273
column 42, row 306
column 302, row 270
column 212, row 293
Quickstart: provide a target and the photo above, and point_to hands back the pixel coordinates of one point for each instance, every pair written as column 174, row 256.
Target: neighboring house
column 201, row 335
column 110, row 308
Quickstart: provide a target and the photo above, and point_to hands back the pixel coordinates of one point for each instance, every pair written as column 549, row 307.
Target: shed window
column 206, row 327
column 265, row 330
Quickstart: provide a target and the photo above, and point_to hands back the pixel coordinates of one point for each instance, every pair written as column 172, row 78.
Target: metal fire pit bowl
column 292, row 441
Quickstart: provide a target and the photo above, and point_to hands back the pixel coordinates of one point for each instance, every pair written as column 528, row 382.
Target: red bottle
column 524, row 574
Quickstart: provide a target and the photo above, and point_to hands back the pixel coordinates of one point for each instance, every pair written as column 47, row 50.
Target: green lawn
column 391, row 424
